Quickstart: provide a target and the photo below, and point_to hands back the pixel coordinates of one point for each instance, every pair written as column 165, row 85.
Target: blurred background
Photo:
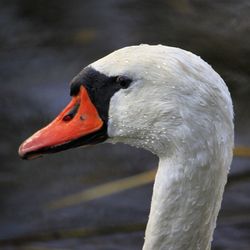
column 43, row 44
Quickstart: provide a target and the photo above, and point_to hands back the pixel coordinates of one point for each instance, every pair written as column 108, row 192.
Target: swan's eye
column 70, row 115
column 123, row 81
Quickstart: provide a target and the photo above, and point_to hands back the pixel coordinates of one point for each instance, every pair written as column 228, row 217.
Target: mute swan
column 165, row 100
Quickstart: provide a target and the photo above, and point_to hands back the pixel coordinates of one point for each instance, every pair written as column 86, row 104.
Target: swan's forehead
column 135, row 61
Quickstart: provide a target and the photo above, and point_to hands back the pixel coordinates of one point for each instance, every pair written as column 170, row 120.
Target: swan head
column 155, row 97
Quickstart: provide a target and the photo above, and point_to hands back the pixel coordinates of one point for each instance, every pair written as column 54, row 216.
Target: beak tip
column 25, row 152
column 28, row 156
column 22, row 152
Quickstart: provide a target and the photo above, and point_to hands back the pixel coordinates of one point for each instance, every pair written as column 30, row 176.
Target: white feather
column 179, row 108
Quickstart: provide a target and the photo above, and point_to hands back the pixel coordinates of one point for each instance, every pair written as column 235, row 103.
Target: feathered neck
column 186, row 200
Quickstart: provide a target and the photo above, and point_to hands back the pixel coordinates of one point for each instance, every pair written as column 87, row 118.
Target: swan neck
column 185, row 204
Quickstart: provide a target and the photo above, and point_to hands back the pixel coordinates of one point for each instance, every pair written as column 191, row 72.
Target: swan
column 170, row 102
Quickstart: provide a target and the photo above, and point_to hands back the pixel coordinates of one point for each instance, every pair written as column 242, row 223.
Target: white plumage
column 179, row 108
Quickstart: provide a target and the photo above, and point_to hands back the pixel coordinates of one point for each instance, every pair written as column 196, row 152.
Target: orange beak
column 78, row 124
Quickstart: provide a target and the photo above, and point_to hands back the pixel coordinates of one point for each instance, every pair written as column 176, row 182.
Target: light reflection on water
column 42, row 47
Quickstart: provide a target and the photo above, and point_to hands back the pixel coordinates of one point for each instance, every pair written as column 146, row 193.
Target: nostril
column 67, row 118
column 70, row 115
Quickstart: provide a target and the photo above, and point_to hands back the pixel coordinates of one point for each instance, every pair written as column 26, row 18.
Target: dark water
column 43, row 44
